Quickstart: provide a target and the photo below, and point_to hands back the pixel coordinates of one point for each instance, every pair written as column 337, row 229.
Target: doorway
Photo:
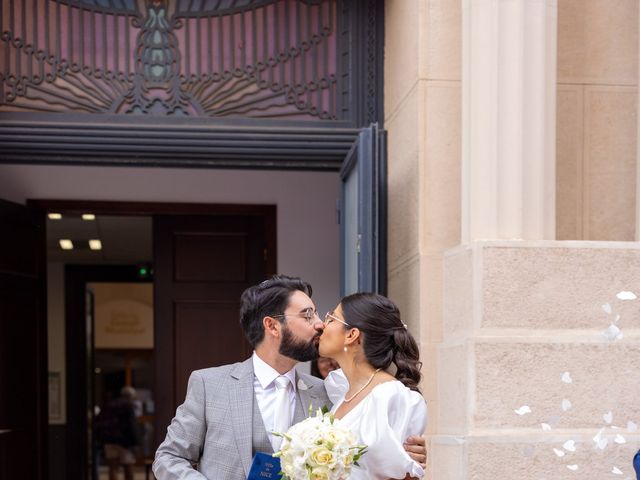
column 307, row 232
column 200, row 259
column 120, row 317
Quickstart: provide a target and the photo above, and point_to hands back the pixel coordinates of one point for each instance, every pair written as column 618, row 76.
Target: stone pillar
column 537, row 334
column 509, row 96
column 638, row 150
column 422, row 106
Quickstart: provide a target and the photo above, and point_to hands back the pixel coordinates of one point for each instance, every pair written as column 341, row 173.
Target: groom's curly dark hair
column 270, row 297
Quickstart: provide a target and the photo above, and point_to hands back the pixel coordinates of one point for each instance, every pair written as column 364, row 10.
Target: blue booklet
column 264, row 466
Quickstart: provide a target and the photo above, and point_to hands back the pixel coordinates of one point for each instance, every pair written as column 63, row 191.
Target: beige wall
column 498, row 324
column 423, row 117
column 596, row 112
column 518, row 317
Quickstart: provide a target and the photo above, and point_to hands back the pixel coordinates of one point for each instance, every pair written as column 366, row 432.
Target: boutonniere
column 302, row 385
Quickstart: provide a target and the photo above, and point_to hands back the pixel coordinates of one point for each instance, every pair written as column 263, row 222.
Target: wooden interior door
column 23, row 344
column 202, row 265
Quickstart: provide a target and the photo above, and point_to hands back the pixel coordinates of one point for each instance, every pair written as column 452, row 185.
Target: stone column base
column 540, row 354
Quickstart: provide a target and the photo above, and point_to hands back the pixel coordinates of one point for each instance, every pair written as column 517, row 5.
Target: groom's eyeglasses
column 309, row 315
column 330, row 317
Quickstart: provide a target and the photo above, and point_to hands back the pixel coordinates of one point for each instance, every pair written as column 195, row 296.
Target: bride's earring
column 345, row 349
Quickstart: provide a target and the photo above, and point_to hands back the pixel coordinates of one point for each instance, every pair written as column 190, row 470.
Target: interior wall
column 596, row 119
column 306, row 202
column 56, row 334
column 307, row 232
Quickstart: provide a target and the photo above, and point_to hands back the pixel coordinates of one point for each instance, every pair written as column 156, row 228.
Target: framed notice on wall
column 55, row 397
column 123, row 315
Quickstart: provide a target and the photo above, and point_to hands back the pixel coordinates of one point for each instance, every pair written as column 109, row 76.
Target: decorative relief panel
column 208, row 58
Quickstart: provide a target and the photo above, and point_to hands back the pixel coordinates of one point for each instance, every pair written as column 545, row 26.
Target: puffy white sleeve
column 336, row 385
column 393, row 414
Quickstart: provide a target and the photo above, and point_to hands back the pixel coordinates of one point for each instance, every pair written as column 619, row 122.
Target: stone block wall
column 528, row 361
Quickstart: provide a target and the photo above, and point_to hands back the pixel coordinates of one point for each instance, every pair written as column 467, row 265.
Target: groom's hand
column 415, row 447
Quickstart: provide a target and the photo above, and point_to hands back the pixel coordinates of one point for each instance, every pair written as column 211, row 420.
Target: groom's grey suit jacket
column 216, row 427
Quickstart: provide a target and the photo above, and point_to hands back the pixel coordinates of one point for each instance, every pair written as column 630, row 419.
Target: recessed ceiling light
column 66, row 244
column 55, row 216
column 95, row 244
column 88, row 216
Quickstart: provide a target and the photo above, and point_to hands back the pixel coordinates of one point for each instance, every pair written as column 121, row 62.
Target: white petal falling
column 631, row 427
column 620, row 439
column 572, row 467
column 612, row 333
column 617, row 319
column 598, row 437
column 566, row 377
column 602, row 443
column 607, row 308
column 558, row 452
column 524, row 409
column 616, row 470
column 624, row 295
column 545, row 426
column 608, row 417
column 569, row 446
column 566, row 405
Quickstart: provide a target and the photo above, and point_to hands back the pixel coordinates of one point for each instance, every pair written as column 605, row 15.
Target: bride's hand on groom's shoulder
column 415, row 447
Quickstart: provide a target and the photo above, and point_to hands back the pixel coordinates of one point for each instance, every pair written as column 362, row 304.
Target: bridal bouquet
column 318, row 448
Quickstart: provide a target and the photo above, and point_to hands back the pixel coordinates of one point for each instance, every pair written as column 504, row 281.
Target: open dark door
column 202, row 266
column 363, row 214
column 23, row 343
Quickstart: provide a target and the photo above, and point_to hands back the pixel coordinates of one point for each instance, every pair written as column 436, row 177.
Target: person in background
column 116, row 429
column 322, row 366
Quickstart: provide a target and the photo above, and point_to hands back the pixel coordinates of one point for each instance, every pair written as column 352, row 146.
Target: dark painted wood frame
column 74, row 139
column 76, row 277
column 32, row 279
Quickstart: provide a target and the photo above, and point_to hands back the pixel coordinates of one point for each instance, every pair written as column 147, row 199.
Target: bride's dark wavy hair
column 386, row 339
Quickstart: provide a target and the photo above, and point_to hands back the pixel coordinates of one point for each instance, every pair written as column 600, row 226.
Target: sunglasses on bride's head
column 330, row 317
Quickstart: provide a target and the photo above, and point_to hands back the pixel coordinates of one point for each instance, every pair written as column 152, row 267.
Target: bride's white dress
column 383, row 420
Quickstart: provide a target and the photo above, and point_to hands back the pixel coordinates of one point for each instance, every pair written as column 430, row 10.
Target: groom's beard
column 298, row 349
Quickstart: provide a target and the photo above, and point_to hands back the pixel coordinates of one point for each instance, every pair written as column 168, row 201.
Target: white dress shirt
column 265, row 390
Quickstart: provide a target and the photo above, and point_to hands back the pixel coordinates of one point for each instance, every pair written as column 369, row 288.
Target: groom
column 229, row 410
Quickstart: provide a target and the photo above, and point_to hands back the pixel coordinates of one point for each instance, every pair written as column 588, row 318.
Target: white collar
column 266, row 374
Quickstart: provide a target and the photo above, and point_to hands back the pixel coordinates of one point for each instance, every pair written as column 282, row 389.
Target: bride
column 365, row 335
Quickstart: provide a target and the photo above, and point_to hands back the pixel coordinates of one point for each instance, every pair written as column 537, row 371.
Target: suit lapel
column 309, row 396
column 241, row 399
